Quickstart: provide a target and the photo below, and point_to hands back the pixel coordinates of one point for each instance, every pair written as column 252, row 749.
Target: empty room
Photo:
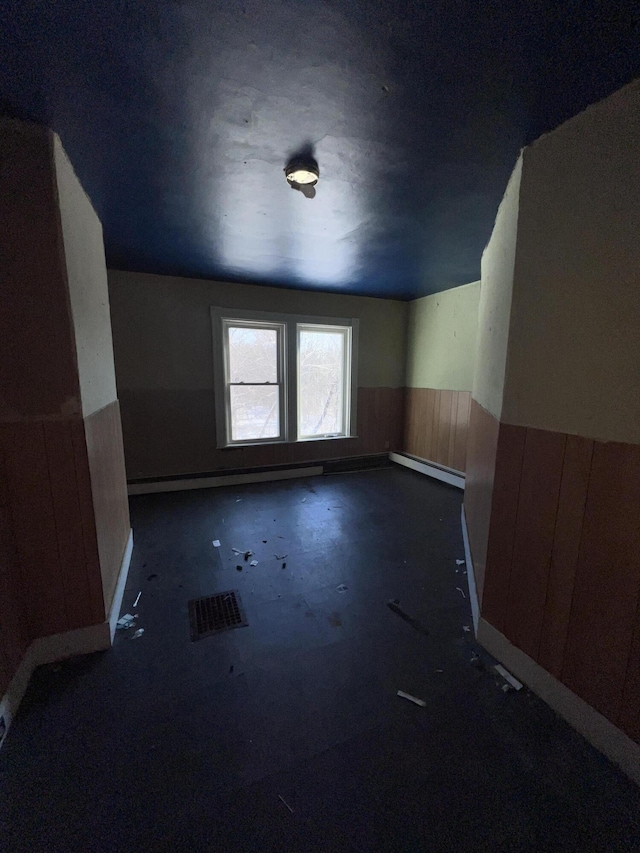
column 319, row 426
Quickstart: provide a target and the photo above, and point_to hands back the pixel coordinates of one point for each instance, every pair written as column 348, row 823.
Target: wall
column 562, row 576
column 164, row 370
column 494, row 312
column 86, row 272
column 51, row 579
column 441, row 344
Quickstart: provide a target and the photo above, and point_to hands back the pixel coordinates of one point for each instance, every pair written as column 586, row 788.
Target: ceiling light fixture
column 302, row 173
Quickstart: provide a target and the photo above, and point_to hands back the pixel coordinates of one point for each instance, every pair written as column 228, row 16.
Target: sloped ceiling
column 180, row 117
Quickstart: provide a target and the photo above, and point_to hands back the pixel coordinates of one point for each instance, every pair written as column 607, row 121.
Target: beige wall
column 441, row 340
column 164, row 359
column 498, row 260
column 88, row 289
column 574, row 350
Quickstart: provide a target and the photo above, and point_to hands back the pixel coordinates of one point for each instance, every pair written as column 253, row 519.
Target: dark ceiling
column 180, row 116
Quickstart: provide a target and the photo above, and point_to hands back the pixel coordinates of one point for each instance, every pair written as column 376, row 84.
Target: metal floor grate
column 215, row 613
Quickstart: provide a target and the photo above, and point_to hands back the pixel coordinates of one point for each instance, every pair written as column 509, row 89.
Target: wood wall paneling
column 68, row 521
column 603, row 620
column 461, row 432
column 482, row 447
column 33, row 522
column 87, row 520
column 533, row 541
column 629, row 717
column 14, row 637
column 436, row 425
column 105, row 454
column 564, row 557
column 502, row 527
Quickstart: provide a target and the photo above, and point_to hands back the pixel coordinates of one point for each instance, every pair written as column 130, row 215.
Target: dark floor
column 167, row 745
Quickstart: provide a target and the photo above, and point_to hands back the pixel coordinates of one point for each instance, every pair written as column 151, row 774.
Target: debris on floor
column 230, row 669
column 517, row 685
column 461, row 591
column 411, row 698
column 238, row 568
column 152, row 576
column 439, row 670
column 303, row 500
column 394, row 605
column 138, row 633
column 284, row 565
column 466, row 628
column 280, row 556
column 238, row 500
column 237, row 551
column 126, row 621
column 135, row 603
column 253, row 563
column 248, row 554
column 216, row 543
column 342, row 588
column 285, row 802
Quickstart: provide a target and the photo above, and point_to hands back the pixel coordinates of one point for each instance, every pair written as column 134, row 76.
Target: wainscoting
column 173, row 433
column 436, row 426
column 562, row 577
column 64, row 517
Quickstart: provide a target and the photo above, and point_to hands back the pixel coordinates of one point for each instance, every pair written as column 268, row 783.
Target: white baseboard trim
column 446, row 475
column 223, row 480
column 81, row 641
column 471, row 577
column 116, row 603
column 599, row 731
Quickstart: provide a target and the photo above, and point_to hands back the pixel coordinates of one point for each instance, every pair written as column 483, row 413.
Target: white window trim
column 289, row 402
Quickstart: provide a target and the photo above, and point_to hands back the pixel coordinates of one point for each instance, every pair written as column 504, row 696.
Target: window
column 283, row 377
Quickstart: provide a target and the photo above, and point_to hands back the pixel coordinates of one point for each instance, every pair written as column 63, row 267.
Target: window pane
column 321, row 382
column 253, row 354
column 255, row 412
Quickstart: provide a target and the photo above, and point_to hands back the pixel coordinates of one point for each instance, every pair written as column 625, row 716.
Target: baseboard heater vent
column 242, row 476
column 357, row 463
column 431, row 469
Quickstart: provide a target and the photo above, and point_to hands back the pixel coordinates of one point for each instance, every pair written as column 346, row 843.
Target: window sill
column 238, row 445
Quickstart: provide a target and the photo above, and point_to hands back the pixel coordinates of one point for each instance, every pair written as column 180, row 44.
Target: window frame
column 222, row 318
column 347, row 332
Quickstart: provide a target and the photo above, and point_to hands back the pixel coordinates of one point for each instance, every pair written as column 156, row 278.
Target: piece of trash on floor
column 505, row 688
column 394, row 605
column 303, row 500
column 238, row 500
column 280, row 556
column 286, row 803
column 238, row 568
column 230, row 669
column 342, row 588
column 126, row 621
column 264, row 541
column 216, row 543
column 461, row 591
column 152, row 576
column 411, row 698
column 280, row 537
column 439, row 670
column 253, row 563
column 284, row 565
column 517, row 685
column 466, row 628
column 248, row 554
column 138, row 633
column 460, row 562
column 135, row 603
column 237, row 551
